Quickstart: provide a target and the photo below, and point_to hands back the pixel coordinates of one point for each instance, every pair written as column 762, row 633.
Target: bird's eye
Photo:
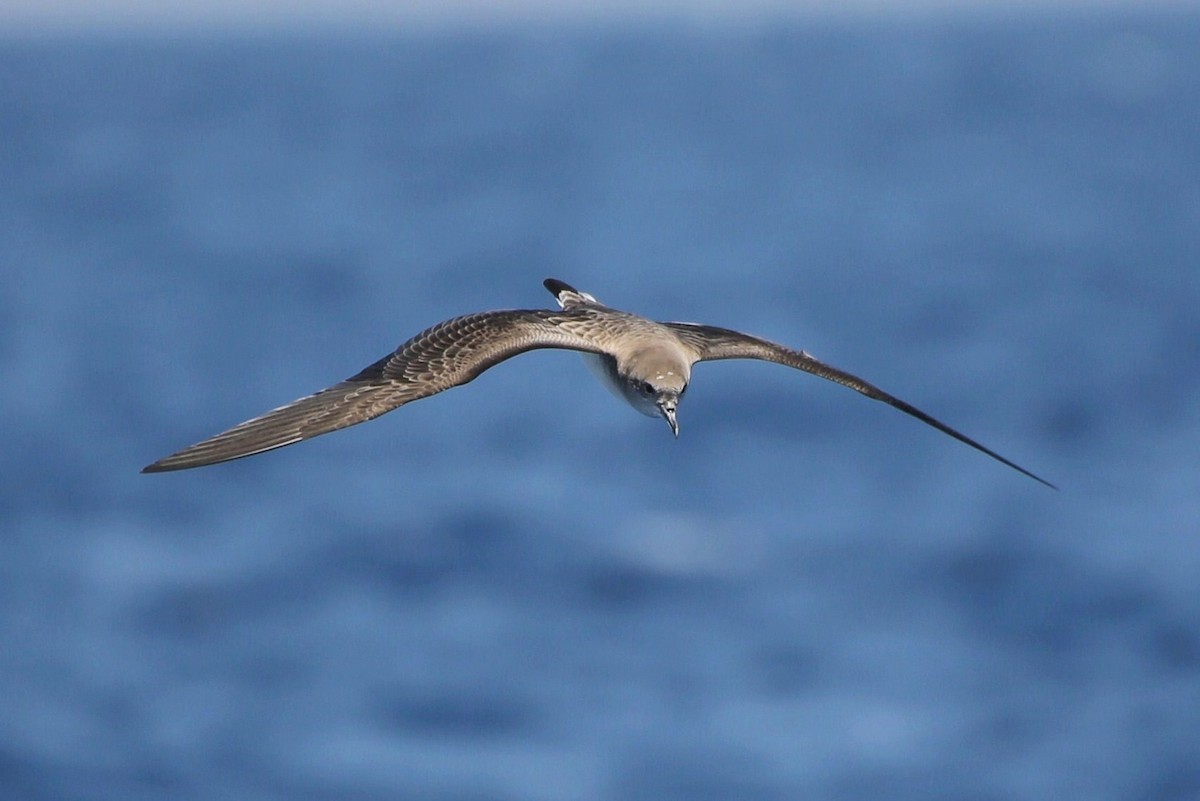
column 647, row 388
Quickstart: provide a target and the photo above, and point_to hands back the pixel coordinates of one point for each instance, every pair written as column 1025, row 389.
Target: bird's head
column 656, row 388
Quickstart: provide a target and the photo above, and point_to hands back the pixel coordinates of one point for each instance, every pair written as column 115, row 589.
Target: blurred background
column 521, row 589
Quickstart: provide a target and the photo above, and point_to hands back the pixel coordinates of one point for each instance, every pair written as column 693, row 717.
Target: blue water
column 521, row 589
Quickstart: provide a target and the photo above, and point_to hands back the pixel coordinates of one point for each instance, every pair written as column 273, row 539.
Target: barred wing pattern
column 446, row 355
column 711, row 343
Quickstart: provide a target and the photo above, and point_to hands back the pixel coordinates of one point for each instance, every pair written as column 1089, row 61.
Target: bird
column 647, row 364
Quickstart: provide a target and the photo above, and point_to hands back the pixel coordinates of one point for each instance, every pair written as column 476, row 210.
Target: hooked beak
column 666, row 407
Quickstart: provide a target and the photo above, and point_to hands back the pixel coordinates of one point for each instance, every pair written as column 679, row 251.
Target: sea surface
column 521, row 590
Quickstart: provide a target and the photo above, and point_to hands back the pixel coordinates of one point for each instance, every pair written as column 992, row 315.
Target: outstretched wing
column 444, row 356
column 711, row 343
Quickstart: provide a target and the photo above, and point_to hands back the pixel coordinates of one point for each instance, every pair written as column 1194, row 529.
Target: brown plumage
column 646, row 363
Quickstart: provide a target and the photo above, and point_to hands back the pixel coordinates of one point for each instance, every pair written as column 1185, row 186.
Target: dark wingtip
column 161, row 466
column 1044, row 481
column 557, row 287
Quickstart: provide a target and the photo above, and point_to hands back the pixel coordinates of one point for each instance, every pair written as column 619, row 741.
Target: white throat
column 605, row 370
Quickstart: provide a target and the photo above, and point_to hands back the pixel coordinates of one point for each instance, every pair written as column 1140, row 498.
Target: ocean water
column 521, row 589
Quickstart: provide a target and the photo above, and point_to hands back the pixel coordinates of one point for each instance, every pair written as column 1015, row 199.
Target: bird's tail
column 568, row 297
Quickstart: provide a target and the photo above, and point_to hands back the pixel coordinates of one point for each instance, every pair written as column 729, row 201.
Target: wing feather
column 446, row 355
column 711, row 343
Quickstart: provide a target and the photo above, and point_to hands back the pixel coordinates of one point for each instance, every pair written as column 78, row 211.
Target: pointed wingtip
column 161, row 466
column 1042, row 481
